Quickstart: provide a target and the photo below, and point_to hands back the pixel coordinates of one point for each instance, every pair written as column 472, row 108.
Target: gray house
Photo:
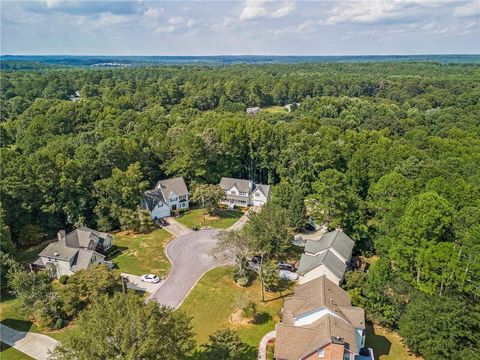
column 75, row 251
column 241, row 192
column 327, row 256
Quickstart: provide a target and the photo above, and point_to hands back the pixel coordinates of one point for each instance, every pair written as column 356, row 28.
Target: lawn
column 9, row 353
column 200, row 218
column 386, row 344
column 142, row 253
column 216, row 297
column 10, row 315
column 275, row 109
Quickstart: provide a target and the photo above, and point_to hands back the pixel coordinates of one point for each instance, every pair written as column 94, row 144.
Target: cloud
column 175, row 24
column 84, row 7
column 154, row 13
column 468, row 10
column 302, row 29
column 255, row 9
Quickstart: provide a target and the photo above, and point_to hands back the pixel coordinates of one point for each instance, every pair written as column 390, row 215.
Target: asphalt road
column 191, row 257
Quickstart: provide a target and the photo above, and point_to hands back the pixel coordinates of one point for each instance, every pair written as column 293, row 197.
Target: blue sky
column 287, row 27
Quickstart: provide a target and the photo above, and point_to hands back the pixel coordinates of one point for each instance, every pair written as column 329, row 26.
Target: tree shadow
column 262, row 318
column 4, row 346
column 19, row 325
column 118, row 250
column 250, row 352
column 379, row 343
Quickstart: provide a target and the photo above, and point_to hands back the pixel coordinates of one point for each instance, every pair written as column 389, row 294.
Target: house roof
column 83, row 258
column 297, row 342
column 329, row 259
column 322, row 293
column 265, row 189
column 82, row 236
column 162, row 191
column 174, row 185
column 240, row 184
column 337, row 240
column 59, row 250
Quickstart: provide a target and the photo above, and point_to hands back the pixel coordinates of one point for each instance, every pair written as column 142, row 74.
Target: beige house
column 319, row 322
column 239, row 192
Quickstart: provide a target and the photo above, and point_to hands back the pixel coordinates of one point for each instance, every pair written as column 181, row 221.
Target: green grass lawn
column 142, row 253
column 9, row 353
column 275, row 109
column 200, row 218
column 386, row 344
column 10, row 315
column 216, row 297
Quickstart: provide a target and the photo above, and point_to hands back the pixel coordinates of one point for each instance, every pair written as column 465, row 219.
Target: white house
column 241, row 192
column 252, row 110
column 75, row 251
column 328, row 257
column 168, row 196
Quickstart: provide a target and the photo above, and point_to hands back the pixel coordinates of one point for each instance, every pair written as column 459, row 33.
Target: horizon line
column 244, row 55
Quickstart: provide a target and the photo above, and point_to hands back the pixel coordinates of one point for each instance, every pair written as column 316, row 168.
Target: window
column 346, row 355
column 182, row 197
column 233, row 192
column 257, row 194
column 321, row 353
column 243, row 193
column 173, row 198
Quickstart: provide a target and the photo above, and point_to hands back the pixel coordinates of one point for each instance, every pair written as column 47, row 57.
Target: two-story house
column 241, row 192
column 319, row 322
column 77, row 250
column 327, row 256
column 168, row 196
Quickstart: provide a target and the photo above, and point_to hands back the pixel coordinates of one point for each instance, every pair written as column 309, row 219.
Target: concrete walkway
column 35, row 345
column 262, row 348
column 240, row 223
column 176, row 228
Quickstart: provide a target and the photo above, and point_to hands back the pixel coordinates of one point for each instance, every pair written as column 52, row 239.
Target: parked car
column 150, row 278
column 286, row 266
column 287, row 275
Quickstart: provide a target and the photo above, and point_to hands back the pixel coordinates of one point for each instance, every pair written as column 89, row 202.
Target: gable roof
column 82, row 260
column 174, row 185
column 151, row 199
column 82, row 236
column 264, row 189
column 322, row 293
column 329, row 259
column 297, row 342
column 240, row 184
column 337, row 240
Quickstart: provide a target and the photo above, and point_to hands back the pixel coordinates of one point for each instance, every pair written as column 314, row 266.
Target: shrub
column 30, row 235
column 59, row 324
column 250, row 311
column 63, row 279
column 243, row 281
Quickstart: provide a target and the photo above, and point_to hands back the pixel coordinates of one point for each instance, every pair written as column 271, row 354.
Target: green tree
column 226, row 345
column 296, row 210
column 441, row 327
column 208, row 196
column 125, row 327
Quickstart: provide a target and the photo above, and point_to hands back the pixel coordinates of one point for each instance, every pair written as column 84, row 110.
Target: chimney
column 61, row 235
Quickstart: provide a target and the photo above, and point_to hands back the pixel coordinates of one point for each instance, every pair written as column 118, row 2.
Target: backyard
column 140, row 254
column 199, row 218
column 9, row 353
column 216, row 297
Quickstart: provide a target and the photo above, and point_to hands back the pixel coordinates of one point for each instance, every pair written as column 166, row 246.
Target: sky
column 249, row 27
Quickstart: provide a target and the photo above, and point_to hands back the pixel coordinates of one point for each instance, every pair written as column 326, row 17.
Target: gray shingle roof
column 336, row 239
column 82, row 260
column 265, row 189
column 240, row 184
column 327, row 258
column 59, row 250
column 82, row 236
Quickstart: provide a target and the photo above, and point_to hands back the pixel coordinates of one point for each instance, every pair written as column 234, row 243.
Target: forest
column 390, row 152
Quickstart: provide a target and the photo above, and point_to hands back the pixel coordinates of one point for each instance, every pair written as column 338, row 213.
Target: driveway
column 135, row 283
column 175, row 228
column 191, row 257
column 35, row 345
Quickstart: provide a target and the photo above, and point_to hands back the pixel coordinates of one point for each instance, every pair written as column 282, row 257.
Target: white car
column 150, row 278
column 287, row 275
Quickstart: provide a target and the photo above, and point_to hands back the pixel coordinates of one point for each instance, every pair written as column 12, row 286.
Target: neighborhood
column 317, row 321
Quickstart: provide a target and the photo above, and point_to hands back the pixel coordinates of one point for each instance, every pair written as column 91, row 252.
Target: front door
column 174, row 207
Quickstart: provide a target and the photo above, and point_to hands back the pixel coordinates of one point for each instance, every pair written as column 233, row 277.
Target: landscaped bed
column 216, row 299
column 140, row 254
column 199, row 218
